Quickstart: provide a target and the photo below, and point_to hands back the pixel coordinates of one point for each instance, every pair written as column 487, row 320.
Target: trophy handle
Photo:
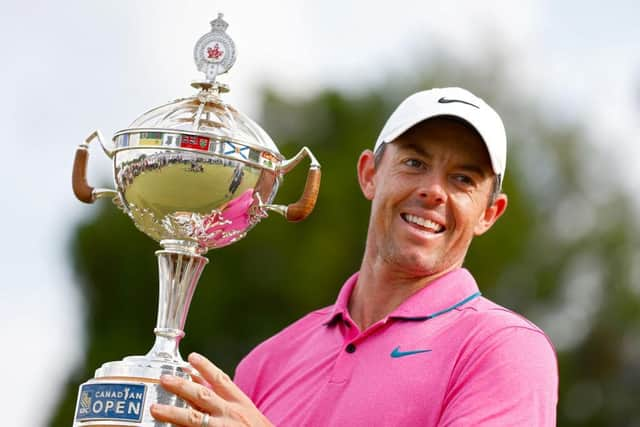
column 301, row 209
column 81, row 188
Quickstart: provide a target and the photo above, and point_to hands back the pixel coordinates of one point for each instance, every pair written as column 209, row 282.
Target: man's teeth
column 424, row 223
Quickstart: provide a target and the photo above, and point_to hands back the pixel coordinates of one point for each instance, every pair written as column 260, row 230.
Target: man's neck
column 380, row 290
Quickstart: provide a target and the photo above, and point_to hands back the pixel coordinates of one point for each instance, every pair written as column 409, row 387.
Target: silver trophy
column 194, row 174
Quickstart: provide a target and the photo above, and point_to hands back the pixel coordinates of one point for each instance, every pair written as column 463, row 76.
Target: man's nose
column 433, row 192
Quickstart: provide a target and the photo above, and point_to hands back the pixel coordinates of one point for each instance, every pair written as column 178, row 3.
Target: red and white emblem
column 215, row 52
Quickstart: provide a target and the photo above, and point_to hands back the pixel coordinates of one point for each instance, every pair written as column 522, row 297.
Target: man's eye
column 413, row 163
column 463, row 179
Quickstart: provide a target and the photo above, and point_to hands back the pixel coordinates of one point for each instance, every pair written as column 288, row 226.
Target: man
column 409, row 341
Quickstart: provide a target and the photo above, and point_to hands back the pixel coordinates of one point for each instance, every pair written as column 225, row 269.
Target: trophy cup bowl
column 194, row 174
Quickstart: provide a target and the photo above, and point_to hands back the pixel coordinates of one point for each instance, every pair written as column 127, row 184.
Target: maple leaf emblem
column 215, row 52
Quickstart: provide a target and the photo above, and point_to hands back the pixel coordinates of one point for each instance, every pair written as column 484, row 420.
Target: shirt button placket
column 345, row 361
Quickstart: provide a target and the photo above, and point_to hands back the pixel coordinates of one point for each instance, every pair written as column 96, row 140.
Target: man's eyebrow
column 418, row 149
column 473, row 168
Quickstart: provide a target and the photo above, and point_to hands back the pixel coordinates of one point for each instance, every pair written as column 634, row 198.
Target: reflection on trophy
column 194, row 174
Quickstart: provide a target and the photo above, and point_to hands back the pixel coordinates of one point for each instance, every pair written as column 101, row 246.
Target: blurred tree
column 566, row 254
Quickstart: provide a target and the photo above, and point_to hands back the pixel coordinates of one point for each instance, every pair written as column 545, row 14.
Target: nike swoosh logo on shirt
column 444, row 100
column 397, row 353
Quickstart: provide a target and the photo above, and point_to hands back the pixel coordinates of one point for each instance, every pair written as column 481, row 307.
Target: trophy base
column 122, row 393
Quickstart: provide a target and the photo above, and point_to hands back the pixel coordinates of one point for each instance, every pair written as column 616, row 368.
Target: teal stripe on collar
column 446, row 310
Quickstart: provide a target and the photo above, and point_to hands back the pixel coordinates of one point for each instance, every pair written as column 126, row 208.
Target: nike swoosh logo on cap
column 444, row 100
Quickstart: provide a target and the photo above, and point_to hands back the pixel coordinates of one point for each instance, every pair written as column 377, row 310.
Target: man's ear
column 491, row 214
column 366, row 173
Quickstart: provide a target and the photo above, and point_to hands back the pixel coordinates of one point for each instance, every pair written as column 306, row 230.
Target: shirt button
column 350, row 348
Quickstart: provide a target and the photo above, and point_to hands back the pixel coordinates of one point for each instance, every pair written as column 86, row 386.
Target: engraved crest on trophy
column 215, row 52
column 194, row 174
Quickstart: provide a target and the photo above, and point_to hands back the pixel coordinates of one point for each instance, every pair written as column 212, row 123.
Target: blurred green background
column 563, row 254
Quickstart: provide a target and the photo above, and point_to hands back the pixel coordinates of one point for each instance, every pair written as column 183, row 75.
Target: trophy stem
column 179, row 272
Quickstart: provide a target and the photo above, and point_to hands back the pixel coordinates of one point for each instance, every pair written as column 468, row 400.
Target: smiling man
column 410, row 340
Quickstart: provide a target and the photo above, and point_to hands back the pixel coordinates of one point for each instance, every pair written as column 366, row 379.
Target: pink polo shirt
column 445, row 357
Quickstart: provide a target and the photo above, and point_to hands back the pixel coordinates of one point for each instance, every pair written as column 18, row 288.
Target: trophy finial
column 219, row 23
column 215, row 52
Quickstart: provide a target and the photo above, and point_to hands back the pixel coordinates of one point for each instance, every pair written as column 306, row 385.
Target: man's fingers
column 212, row 392
column 198, row 396
column 214, row 376
column 198, row 379
column 188, row 417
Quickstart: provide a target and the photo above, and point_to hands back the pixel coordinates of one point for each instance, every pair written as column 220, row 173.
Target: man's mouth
column 424, row 223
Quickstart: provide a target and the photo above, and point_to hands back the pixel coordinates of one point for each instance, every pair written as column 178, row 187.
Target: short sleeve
column 507, row 379
column 244, row 377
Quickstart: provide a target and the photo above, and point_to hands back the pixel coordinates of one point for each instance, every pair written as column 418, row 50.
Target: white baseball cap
column 456, row 102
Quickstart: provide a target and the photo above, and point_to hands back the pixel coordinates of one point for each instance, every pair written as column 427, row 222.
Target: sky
column 72, row 66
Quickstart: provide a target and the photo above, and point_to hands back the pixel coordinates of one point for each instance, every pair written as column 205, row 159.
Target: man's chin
column 415, row 265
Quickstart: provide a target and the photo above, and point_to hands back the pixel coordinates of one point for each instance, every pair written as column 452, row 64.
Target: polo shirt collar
column 453, row 289
column 341, row 307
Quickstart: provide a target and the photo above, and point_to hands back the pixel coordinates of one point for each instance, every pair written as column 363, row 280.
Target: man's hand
column 214, row 399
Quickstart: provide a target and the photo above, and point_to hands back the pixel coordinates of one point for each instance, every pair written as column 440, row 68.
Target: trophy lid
column 206, row 114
